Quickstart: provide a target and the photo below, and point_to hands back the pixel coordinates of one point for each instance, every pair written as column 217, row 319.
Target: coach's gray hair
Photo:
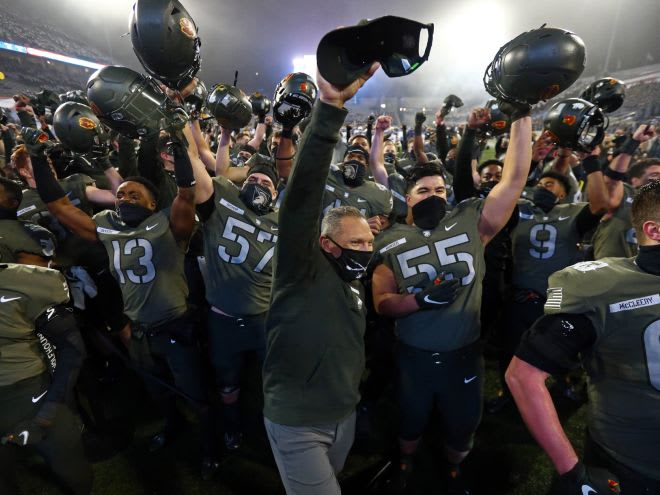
column 331, row 223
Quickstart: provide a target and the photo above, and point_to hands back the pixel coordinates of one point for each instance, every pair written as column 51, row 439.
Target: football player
column 430, row 281
column 240, row 231
column 604, row 314
column 146, row 249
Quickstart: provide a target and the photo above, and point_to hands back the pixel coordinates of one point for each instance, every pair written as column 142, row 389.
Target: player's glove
column 101, row 156
column 36, row 141
column 583, row 480
column 438, row 294
column 420, row 118
column 514, row 110
column 32, row 431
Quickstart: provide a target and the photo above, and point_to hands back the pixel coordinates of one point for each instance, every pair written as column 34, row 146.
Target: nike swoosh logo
column 431, row 301
column 586, row 490
column 172, row 341
column 24, row 435
column 449, row 227
column 468, row 380
column 4, row 299
column 361, row 200
column 37, row 399
column 563, row 218
column 274, row 229
column 149, row 227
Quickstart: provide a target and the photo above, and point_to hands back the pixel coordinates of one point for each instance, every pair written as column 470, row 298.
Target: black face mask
column 486, row 187
column 648, row 259
column 390, row 158
column 257, row 197
column 132, row 214
column 239, row 161
column 351, row 263
column 544, row 199
column 428, row 212
column 354, row 173
column 7, row 213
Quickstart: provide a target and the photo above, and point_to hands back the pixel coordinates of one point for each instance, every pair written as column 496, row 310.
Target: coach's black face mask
column 351, row 264
column 428, row 212
column 132, row 214
column 544, row 199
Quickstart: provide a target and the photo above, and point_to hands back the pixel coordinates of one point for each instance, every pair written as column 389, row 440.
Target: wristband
column 183, row 172
column 47, row 186
column 629, row 146
column 615, row 175
column 591, row 164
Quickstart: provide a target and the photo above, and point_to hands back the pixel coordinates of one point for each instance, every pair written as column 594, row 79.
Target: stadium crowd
column 298, row 240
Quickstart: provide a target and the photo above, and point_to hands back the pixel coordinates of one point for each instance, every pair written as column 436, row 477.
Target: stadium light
column 49, row 55
column 306, row 64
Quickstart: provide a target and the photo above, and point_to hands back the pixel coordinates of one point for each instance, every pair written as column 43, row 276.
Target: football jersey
column 26, row 291
column 24, row 237
column 238, row 247
column 71, row 248
column 543, row 243
column 370, row 198
column 615, row 235
column 623, row 304
column 148, row 264
column 417, row 256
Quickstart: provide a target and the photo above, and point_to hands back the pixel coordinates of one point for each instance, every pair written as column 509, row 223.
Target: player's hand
column 438, row 294
column 420, row 118
column 383, row 122
column 478, row 117
column 36, row 141
column 583, row 480
column 542, row 146
column 101, row 156
column 643, row 133
column 514, row 110
column 439, row 119
column 338, row 95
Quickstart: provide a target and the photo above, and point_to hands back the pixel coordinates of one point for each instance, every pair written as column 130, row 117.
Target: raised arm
column 51, row 193
column 285, row 154
column 376, row 157
column 463, row 178
column 203, row 181
column 501, row 201
column 418, row 143
column 182, row 213
column 203, row 148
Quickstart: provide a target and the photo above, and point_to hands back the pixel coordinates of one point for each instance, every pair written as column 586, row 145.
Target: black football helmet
column 500, row 123
column 608, row 93
column 196, row 100
column 131, row 104
column 165, row 40
column 230, row 106
column 535, row 66
column 76, row 126
column 260, row 103
column 294, row 98
column 576, row 123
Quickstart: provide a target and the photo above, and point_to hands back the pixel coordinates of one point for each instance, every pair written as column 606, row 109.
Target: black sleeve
column 463, row 184
column 441, row 146
column 555, row 341
column 9, row 142
column 127, row 157
column 586, row 220
column 59, row 326
column 205, row 209
column 148, row 165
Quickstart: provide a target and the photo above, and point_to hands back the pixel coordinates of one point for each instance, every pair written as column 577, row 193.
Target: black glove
column 371, row 120
column 36, row 141
column 583, row 480
column 101, row 156
column 514, row 110
column 420, row 118
column 438, row 294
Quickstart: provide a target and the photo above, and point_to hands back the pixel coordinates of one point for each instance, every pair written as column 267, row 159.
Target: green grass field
column 505, row 459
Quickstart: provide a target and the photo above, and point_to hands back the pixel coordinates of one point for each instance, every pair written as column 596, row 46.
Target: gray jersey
column 26, row 291
column 623, row 304
column 615, row 235
column 543, row 243
column 370, row 198
column 24, row 237
column 418, row 256
column 239, row 247
column 148, row 264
